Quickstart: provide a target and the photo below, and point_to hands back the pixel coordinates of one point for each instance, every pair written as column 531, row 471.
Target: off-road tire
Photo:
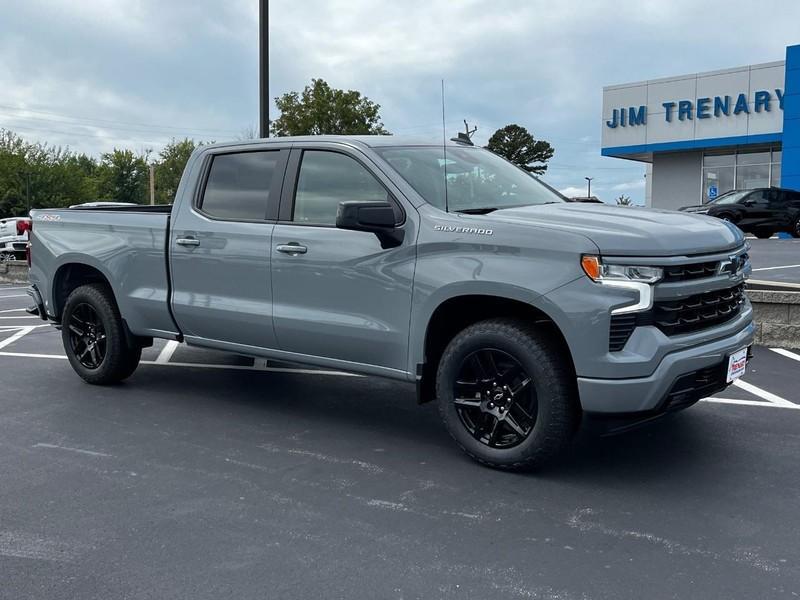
column 120, row 359
column 552, row 374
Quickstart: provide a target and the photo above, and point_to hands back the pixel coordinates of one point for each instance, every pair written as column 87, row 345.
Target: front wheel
column 94, row 337
column 7, row 256
column 507, row 394
column 796, row 228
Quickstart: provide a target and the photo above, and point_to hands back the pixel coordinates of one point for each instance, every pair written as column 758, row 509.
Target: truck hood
column 630, row 231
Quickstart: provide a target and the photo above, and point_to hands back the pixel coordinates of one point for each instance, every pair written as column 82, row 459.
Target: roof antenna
column 444, row 152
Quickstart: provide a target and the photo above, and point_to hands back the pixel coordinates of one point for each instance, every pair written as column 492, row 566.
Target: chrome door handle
column 293, row 248
column 190, row 241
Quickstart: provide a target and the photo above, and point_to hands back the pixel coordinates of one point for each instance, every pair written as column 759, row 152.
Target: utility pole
column 263, row 68
column 152, row 185
column 589, row 188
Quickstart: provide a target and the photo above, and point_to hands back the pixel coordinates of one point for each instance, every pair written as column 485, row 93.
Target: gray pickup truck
column 442, row 265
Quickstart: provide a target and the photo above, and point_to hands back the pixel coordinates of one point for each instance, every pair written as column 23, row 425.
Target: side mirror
column 373, row 217
column 748, row 203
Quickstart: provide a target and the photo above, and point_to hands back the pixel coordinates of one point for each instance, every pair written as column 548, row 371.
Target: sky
column 98, row 74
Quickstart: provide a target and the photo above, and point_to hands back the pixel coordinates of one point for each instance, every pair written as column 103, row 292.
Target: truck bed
column 125, row 244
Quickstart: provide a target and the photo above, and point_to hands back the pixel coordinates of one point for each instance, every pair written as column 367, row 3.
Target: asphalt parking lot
column 776, row 260
column 208, row 476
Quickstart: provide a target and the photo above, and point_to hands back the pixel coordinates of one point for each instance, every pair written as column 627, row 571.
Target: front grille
column 675, row 317
column 689, row 272
column 694, row 386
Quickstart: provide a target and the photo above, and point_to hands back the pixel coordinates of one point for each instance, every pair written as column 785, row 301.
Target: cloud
column 627, row 186
column 574, row 192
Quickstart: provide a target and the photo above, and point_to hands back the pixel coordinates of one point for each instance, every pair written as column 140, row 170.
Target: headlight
column 597, row 271
column 629, row 277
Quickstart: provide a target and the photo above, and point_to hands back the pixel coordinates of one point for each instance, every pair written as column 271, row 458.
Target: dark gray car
column 444, row 266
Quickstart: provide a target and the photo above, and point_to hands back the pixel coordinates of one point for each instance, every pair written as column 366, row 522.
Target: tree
column 624, row 200
column 36, row 175
column 169, row 168
column 321, row 109
column 123, row 176
column 517, row 145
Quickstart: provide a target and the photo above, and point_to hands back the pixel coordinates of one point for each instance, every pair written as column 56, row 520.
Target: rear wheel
column 796, row 228
column 763, row 234
column 94, row 337
column 507, row 395
column 6, row 256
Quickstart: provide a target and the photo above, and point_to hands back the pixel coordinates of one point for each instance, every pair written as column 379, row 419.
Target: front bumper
column 653, row 393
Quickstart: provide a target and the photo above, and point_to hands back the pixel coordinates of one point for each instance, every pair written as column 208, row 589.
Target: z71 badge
column 472, row 230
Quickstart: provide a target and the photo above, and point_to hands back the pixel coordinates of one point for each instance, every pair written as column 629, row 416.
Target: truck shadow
column 374, row 411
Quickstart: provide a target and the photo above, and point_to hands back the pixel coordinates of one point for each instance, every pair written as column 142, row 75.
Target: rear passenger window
column 238, row 185
column 327, row 178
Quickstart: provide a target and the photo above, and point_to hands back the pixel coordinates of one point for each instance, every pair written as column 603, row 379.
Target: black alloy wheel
column 495, row 398
column 87, row 336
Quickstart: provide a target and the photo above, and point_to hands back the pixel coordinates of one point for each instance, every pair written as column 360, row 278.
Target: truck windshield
column 477, row 180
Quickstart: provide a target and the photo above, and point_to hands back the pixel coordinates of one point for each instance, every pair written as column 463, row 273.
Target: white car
column 14, row 234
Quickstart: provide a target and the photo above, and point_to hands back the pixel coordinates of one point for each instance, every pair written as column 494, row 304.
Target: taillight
column 24, row 225
column 29, row 228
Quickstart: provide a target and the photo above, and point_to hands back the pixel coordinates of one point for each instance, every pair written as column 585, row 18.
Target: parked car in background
column 14, row 238
column 762, row 212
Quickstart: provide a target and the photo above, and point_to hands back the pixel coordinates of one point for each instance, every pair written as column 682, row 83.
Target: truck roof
column 371, row 141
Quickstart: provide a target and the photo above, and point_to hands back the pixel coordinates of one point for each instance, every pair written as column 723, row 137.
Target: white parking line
column 13, row 310
column 23, row 331
column 24, row 287
column 749, row 403
column 15, row 296
column 167, row 351
column 768, row 396
column 22, row 317
column 773, row 268
column 786, row 353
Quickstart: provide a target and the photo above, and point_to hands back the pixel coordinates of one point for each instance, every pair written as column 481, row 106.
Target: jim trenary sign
column 700, row 108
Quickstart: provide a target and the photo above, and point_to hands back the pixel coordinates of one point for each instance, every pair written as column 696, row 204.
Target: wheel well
column 68, row 278
column 455, row 314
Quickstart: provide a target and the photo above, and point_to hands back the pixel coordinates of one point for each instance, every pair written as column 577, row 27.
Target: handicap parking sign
column 712, row 192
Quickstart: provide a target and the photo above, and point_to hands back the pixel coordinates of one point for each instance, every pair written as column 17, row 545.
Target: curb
column 777, row 317
column 15, row 271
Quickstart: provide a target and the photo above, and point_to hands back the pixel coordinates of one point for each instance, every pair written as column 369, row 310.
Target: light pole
column 589, row 187
column 263, row 68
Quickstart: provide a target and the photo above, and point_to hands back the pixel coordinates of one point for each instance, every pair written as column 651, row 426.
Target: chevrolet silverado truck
column 444, row 265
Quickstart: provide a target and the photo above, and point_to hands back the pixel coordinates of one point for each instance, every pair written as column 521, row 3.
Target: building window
column 741, row 171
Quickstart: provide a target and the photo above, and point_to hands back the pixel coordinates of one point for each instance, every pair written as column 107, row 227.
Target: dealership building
column 704, row 134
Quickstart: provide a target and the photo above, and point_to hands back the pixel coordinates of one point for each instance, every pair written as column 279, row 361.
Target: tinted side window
column 777, row 198
column 238, row 185
column 327, row 178
column 758, row 197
